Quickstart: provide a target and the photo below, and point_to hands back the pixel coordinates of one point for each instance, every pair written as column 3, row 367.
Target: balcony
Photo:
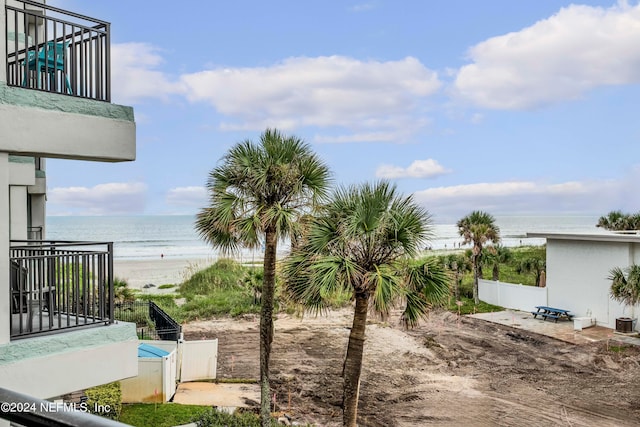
column 57, row 286
column 54, row 50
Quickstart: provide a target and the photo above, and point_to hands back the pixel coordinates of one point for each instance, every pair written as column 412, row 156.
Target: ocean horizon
column 148, row 237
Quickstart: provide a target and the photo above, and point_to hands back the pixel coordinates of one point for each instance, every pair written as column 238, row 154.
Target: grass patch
column 468, row 307
column 167, row 286
column 160, row 415
column 618, row 348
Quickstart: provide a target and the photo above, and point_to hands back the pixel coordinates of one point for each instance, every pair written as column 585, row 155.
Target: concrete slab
column 562, row 330
column 219, row 395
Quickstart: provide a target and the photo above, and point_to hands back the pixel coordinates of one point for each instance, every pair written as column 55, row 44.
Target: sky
column 511, row 107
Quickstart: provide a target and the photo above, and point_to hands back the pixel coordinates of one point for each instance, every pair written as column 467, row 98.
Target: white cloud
column 589, row 197
column 103, row 199
column 362, row 7
column 335, row 91
column 428, row 168
column 187, row 196
column 135, row 73
column 556, row 59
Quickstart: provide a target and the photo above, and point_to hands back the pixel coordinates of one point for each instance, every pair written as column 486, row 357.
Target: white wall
column 509, row 295
column 577, row 277
column 65, row 135
column 18, row 212
column 4, row 247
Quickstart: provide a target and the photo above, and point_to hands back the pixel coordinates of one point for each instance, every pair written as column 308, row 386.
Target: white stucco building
column 57, row 332
column 578, row 267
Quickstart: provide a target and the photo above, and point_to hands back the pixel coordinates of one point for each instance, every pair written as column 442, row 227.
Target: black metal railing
column 59, row 285
column 152, row 322
column 25, row 410
column 55, row 50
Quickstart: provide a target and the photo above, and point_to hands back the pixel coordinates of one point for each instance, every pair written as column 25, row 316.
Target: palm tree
column 612, row 221
column 625, row 285
column 458, row 264
column 362, row 243
column 536, row 266
column 478, row 228
column 496, row 255
column 256, row 195
column 618, row 221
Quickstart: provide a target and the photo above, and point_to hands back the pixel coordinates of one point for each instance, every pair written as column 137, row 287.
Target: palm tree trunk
column 456, row 287
column 476, row 275
column 266, row 323
column 353, row 361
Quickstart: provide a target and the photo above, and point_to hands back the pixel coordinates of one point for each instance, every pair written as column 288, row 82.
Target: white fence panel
column 199, row 360
column 509, row 295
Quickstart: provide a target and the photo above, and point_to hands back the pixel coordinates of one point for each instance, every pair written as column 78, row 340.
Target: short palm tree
column 625, row 285
column 495, row 256
column 537, row 266
column 256, row 195
column 363, row 243
column 618, row 221
column 458, row 264
column 478, row 228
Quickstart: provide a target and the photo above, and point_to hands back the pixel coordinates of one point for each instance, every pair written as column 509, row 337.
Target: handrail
column 62, row 11
column 33, row 412
column 81, row 69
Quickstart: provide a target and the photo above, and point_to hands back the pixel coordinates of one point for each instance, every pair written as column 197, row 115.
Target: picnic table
column 551, row 313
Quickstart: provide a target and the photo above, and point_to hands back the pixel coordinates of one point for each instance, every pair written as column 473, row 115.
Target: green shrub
column 214, row 418
column 159, row 415
column 105, row 400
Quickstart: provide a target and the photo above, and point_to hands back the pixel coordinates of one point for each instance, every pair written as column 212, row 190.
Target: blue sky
column 513, row 107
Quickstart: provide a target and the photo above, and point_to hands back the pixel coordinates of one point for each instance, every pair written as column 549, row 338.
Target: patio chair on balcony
column 49, row 60
column 22, row 297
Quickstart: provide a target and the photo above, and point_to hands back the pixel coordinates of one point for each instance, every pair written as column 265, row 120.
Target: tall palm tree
column 362, row 243
column 478, row 228
column 256, row 195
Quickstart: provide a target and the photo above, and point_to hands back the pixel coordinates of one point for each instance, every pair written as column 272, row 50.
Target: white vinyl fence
column 509, row 295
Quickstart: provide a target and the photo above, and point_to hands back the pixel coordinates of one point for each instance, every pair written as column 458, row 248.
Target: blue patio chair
column 50, row 58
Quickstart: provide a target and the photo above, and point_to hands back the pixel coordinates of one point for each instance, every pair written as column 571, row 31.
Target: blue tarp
column 146, row 350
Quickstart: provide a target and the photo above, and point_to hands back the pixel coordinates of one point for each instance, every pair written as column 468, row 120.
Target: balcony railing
column 56, row 286
column 54, row 50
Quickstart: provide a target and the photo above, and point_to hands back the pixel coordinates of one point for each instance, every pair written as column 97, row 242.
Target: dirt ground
column 449, row 371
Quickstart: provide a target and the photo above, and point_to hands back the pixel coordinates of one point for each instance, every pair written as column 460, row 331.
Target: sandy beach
column 158, row 272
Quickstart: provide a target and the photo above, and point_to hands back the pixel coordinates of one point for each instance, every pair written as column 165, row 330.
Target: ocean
column 153, row 236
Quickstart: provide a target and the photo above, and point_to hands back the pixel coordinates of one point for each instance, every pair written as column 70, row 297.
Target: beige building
column 57, row 332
